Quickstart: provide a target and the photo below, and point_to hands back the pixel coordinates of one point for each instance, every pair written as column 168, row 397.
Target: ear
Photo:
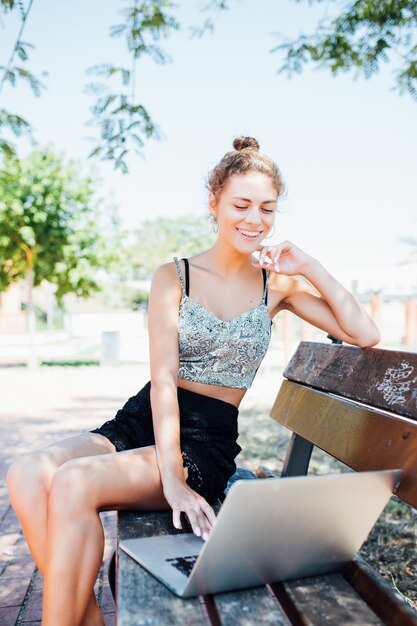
column 212, row 204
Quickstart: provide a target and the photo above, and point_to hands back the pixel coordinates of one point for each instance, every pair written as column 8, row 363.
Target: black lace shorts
column 208, row 435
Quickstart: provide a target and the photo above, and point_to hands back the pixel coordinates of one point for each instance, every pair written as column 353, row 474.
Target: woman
column 173, row 445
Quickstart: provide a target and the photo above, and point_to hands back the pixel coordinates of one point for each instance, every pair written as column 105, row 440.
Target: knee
column 69, row 492
column 27, row 477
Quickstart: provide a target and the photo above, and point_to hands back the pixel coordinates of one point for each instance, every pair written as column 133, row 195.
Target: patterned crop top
column 221, row 352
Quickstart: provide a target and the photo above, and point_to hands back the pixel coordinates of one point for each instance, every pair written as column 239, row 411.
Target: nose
column 253, row 216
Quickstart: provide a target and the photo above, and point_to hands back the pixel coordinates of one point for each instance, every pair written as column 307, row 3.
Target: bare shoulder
column 166, row 275
column 165, row 283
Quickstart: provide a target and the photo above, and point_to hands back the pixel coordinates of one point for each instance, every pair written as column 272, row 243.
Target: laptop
column 271, row 530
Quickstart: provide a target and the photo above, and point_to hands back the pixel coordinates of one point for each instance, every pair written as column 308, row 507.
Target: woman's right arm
column 164, row 300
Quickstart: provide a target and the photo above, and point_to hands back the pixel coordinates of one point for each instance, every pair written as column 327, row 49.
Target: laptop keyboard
column 183, row 563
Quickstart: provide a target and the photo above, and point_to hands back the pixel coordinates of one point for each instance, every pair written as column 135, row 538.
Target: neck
column 226, row 260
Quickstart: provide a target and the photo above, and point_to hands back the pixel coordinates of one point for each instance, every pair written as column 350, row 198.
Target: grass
column 391, row 545
column 70, row 363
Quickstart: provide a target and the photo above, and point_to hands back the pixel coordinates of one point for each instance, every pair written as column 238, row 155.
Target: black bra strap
column 265, row 296
column 187, row 277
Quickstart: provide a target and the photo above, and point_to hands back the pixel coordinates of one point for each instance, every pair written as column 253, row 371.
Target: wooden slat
column 141, row 599
column 382, row 378
column 320, row 600
column 249, row 607
column 144, row 524
column 379, row 594
column 360, row 437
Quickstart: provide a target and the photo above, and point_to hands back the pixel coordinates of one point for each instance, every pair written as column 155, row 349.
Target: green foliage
column 17, row 125
column 123, row 123
column 364, row 35
column 155, row 242
column 119, row 295
column 50, row 220
column 158, row 241
column 70, row 363
column 7, row 4
column 121, row 129
column 11, row 73
column 208, row 25
column 139, row 298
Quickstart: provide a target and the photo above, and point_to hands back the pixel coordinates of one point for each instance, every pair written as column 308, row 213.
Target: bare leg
column 80, row 489
column 29, row 480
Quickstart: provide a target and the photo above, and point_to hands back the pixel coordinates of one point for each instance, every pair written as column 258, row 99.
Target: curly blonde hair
column 243, row 159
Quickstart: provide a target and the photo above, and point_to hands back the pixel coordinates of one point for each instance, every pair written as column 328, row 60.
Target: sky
column 346, row 148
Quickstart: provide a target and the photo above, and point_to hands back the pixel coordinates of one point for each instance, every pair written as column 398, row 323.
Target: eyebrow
column 248, row 200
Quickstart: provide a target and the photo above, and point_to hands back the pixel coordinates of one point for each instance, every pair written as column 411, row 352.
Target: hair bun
column 240, row 143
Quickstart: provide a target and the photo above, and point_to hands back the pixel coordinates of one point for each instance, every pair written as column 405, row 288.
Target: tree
column 362, row 35
column 158, row 241
column 12, row 72
column 123, row 123
column 52, row 226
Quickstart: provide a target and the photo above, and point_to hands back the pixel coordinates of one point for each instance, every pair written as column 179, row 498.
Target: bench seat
column 358, row 405
column 328, row 599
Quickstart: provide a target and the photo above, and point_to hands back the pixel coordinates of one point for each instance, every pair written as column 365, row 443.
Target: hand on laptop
column 183, row 499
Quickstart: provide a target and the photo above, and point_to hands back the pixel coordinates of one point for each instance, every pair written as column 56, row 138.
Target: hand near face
column 284, row 258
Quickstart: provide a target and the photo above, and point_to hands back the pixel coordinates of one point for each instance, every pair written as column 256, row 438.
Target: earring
column 214, row 223
column 273, row 232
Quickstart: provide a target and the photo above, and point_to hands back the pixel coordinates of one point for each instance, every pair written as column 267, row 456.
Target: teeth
column 249, row 233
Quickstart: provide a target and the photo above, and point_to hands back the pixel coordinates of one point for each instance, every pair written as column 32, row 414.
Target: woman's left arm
column 334, row 309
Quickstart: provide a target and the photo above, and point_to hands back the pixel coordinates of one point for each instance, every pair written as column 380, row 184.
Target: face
column 245, row 210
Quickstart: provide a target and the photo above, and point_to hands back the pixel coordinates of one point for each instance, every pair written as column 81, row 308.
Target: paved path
column 37, row 408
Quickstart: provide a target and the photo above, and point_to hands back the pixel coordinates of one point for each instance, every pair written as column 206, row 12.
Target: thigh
column 49, row 458
column 125, row 480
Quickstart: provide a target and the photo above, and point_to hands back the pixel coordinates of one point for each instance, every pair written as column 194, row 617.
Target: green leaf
column 48, row 205
column 117, row 30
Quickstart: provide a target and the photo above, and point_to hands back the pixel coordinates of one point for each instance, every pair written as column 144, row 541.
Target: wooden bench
column 359, row 405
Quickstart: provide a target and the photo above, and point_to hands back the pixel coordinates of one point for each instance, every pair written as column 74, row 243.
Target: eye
column 268, row 210
column 240, row 207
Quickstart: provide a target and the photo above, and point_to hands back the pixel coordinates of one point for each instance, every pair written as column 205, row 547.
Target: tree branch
column 19, row 37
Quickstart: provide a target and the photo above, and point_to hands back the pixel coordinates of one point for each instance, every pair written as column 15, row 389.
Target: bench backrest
column 357, row 404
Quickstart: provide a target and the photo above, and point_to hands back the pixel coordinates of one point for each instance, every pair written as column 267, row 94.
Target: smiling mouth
column 249, row 234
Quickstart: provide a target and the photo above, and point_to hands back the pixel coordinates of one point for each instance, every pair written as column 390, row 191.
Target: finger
column 255, row 259
column 268, row 264
column 276, row 258
column 209, row 524
column 193, row 518
column 203, row 523
column 262, row 256
column 209, row 513
column 176, row 519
